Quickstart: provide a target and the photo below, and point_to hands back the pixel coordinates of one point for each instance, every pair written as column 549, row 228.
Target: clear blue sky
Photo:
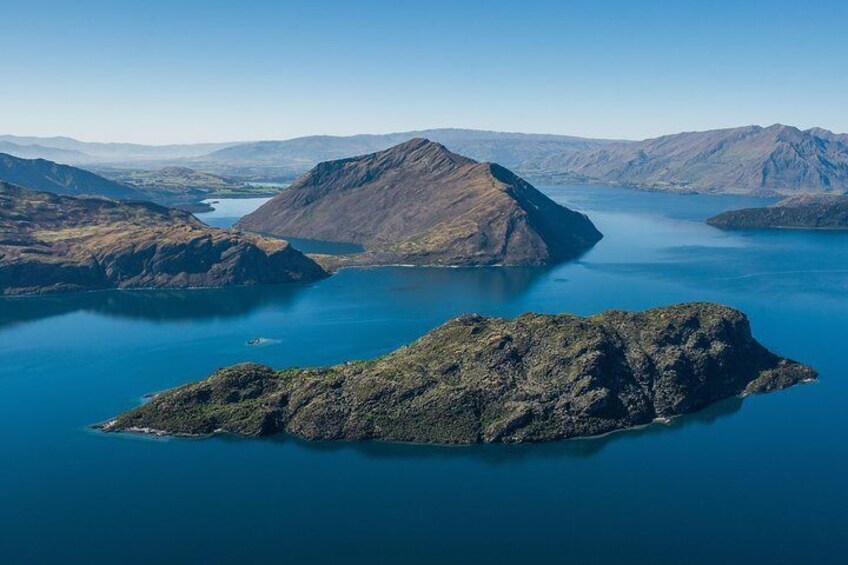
column 183, row 71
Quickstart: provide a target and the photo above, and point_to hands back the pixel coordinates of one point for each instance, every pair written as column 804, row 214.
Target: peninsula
column 53, row 243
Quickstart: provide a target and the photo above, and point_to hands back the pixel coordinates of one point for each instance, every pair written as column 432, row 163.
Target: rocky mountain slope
column 52, row 243
column 751, row 160
column 817, row 212
column 477, row 379
column 418, row 203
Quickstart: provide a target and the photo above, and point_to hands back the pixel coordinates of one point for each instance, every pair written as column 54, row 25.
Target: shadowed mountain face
column 477, row 379
column 774, row 160
column 813, row 212
column 418, row 203
column 52, row 243
column 39, row 174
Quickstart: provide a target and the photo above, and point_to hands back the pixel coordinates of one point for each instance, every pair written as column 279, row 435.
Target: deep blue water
column 764, row 480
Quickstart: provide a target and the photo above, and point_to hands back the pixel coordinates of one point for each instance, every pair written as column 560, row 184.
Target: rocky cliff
column 51, row 243
column 477, row 379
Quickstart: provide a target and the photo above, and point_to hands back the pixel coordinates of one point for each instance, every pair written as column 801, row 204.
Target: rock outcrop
column 809, row 212
column 478, row 379
column 418, row 203
column 52, row 243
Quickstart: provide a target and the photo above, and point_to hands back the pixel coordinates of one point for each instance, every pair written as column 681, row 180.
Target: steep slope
column 754, row 160
column 418, row 203
column 52, row 243
column 811, row 212
column 476, row 379
column 39, row 174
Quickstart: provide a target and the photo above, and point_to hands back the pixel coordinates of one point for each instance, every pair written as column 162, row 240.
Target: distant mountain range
column 770, row 160
column 301, row 154
column 751, row 160
column 73, row 151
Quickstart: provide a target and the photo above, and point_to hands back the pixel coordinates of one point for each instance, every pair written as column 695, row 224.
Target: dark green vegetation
column 823, row 212
column 418, row 203
column 48, row 176
column 52, row 243
column 477, row 379
column 748, row 160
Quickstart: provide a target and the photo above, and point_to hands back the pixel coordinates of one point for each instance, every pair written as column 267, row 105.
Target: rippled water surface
column 762, row 480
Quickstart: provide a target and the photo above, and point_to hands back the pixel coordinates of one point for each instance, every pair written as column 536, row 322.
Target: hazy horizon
column 206, row 72
column 240, row 141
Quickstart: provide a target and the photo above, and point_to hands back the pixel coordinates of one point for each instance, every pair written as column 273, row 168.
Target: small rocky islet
column 476, row 379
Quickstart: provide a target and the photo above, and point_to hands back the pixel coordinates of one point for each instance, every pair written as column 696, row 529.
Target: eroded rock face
column 478, row 379
column 418, row 203
column 811, row 212
column 51, row 243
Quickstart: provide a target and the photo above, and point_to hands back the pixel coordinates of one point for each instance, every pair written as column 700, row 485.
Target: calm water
column 759, row 481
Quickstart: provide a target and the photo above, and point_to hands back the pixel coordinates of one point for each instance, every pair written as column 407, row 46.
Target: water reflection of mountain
column 485, row 284
column 153, row 305
column 498, row 453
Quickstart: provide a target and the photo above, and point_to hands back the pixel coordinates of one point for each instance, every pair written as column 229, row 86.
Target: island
column 53, row 243
column 419, row 204
column 478, row 379
column 805, row 212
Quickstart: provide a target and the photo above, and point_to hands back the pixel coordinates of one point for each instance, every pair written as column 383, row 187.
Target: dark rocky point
column 810, row 212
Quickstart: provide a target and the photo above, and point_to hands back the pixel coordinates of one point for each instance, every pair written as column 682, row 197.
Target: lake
column 762, row 480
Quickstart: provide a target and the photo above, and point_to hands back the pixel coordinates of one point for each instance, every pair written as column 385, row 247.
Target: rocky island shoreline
column 476, row 379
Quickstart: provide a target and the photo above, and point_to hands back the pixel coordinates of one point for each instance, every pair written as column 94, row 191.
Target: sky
column 183, row 71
